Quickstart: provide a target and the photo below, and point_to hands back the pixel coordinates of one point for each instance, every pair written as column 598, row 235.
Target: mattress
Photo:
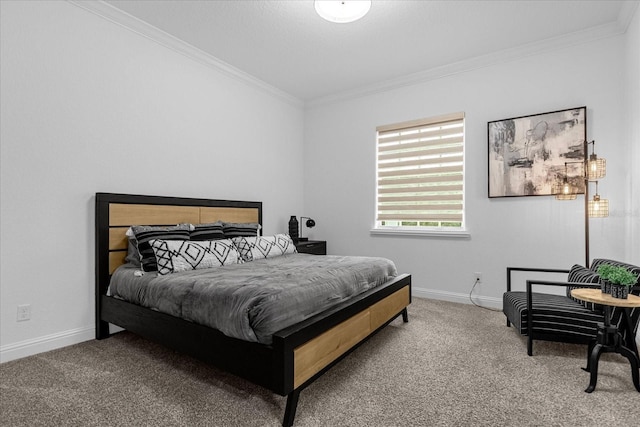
column 252, row 301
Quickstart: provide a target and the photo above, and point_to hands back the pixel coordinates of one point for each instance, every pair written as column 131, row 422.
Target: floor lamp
column 593, row 168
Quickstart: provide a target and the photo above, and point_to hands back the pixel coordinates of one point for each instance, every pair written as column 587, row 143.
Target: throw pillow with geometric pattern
column 143, row 234
column 173, row 256
column 252, row 248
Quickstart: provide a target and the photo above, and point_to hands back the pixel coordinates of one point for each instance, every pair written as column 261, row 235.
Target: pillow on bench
column 582, row 274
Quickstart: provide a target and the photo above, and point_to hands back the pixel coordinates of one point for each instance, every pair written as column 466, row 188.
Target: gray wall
column 632, row 117
column 524, row 231
column 88, row 106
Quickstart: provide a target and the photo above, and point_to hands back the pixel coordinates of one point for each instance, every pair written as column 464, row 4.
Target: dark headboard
column 115, row 213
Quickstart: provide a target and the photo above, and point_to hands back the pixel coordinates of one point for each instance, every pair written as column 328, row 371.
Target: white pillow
column 260, row 247
column 173, row 256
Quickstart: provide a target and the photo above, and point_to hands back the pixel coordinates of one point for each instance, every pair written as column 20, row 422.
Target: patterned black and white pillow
column 212, row 231
column 235, row 229
column 173, row 256
column 252, row 248
column 141, row 235
column 581, row 274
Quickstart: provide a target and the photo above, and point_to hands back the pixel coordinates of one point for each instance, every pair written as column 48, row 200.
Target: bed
column 291, row 358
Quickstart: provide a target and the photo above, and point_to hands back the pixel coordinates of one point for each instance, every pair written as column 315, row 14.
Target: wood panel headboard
column 115, row 213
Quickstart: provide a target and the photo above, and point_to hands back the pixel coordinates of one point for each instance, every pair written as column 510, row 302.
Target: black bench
column 550, row 317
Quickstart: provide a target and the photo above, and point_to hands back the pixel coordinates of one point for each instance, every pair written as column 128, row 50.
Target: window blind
column 421, row 172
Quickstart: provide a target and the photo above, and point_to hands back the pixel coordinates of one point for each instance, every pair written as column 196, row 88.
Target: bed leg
column 290, row 411
column 102, row 330
column 405, row 315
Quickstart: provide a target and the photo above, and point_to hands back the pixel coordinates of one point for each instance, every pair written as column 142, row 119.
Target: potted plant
column 604, row 271
column 621, row 279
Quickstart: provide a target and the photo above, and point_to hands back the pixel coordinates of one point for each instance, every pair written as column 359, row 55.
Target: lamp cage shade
column 565, row 191
column 598, row 208
column 596, row 167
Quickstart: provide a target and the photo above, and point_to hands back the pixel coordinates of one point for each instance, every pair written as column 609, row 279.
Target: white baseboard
column 46, row 343
column 490, row 302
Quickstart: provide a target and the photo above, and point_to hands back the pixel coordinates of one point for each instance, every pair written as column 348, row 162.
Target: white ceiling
column 286, row 45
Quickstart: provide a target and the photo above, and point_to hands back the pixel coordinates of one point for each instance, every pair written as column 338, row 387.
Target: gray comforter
column 252, row 301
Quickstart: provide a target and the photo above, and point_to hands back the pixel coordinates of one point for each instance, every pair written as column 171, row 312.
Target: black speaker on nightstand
column 293, row 228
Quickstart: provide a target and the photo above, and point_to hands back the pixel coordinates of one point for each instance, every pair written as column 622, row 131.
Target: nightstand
column 315, row 247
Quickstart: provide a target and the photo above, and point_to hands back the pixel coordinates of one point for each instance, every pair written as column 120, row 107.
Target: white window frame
column 428, row 134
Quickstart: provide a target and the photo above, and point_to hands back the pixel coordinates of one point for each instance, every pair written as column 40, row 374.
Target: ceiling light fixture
column 342, row 12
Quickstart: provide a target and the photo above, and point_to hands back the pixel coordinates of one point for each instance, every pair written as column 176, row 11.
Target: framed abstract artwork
column 528, row 154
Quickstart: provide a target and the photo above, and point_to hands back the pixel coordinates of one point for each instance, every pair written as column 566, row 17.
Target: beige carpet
column 451, row 365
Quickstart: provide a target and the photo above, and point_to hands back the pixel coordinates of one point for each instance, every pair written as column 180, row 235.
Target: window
column 421, row 175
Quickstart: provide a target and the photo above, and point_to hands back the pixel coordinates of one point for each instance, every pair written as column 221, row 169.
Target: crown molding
column 506, row 55
column 627, row 11
column 131, row 23
column 119, row 17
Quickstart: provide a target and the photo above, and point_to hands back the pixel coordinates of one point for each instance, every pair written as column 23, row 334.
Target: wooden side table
column 609, row 338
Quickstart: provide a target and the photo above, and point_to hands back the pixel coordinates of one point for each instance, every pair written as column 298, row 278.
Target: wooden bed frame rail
column 298, row 354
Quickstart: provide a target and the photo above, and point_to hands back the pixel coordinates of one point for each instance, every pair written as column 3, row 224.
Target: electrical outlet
column 24, row 312
column 477, row 277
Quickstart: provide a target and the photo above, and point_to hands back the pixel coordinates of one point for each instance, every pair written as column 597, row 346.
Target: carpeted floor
column 451, row 365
